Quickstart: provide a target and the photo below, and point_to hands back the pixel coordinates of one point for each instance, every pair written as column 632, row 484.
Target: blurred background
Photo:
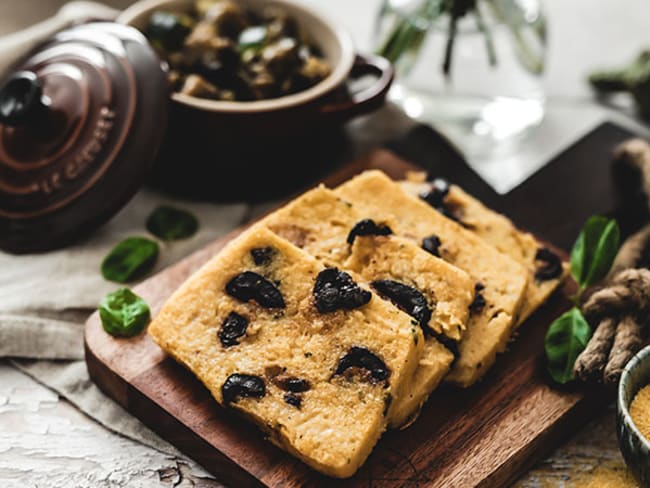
column 583, row 34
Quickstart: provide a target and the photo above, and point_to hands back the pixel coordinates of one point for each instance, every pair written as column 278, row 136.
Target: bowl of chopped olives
column 272, row 72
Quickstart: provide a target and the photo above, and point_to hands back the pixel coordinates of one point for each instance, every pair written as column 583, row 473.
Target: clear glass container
column 480, row 87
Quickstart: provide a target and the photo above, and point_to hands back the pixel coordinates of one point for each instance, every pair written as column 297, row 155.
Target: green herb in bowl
column 123, row 313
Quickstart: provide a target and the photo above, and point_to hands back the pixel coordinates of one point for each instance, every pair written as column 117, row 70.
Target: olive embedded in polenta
column 252, row 286
column 242, row 385
column 407, row 298
column 336, row 290
column 360, row 358
column 262, row 255
column 368, row 227
column 232, row 329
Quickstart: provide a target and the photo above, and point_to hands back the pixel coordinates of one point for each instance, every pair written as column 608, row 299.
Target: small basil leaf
column 130, row 259
column 566, row 338
column 604, row 253
column 123, row 313
column 169, row 223
column 594, row 250
column 578, row 258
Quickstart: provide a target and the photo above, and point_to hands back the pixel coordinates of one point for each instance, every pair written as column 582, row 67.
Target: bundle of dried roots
column 620, row 311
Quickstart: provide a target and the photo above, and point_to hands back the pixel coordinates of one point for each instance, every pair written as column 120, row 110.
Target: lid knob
column 22, row 100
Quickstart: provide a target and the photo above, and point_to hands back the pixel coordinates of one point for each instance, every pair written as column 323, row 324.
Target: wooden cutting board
column 483, row 436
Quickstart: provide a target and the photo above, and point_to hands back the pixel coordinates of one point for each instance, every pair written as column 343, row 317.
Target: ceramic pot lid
column 81, row 120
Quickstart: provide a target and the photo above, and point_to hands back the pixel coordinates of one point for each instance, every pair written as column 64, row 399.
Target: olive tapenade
column 223, row 51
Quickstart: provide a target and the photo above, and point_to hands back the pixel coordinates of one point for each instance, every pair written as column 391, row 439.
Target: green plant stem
column 410, row 32
column 449, row 49
column 524, row 52
column 487, row 33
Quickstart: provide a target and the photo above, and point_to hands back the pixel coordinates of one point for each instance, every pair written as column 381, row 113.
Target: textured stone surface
column 45, row 442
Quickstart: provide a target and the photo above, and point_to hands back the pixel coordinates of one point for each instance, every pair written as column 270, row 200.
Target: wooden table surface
column 45, row 441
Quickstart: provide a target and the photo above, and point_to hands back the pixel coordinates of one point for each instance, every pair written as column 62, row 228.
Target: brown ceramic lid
column 81, row 120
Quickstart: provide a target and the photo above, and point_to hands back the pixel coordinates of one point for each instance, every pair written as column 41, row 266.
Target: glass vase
column 474, row 74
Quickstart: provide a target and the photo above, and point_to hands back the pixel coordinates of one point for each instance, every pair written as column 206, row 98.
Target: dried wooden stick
column 621, row 310
column 590, row 364
column 628, row 293
column 633, row 156
column 632, row 252
column 627, row 342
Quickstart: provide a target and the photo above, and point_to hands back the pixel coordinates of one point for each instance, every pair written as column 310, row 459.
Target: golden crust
column 503, row 280
column 340, row 419
column 498, row 231
column 319, row 222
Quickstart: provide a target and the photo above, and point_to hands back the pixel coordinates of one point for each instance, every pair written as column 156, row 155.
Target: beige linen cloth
column 45, row 299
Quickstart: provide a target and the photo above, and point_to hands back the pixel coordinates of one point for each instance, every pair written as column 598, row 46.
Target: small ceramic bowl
column 634, row 447
column 247, row 150
column 287, row 113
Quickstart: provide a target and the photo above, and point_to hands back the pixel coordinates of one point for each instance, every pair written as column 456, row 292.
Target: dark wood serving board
column 483, row 436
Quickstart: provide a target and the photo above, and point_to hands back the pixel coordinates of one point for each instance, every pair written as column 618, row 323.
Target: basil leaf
column 604, row 253
column 169, row 223
column 130, row 259
column 594, row 251
column 566, row 338
column 123, row 313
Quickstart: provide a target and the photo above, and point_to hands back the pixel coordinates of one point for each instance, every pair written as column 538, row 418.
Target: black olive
column 293, row 399
column 407, row 298
column 451, row 214
column 262, row 255
column 252, row 286
column 233, row 327
column 435, row 196
column 360, row 357
column 432, row 244
column 436, row 193
column 450, row 344
column 291, row 383
column 551, row 265
column 368, row 227
column 242, row 385
column 479, row 300
column 335, row 290
column 168, row 30
column 388, row 399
